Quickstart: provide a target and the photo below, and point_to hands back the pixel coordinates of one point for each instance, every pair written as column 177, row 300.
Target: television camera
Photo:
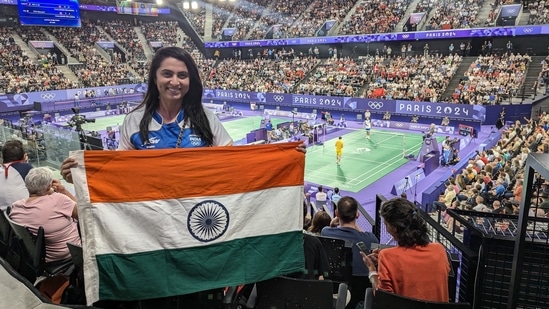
column 78, row 120
column 453, row 142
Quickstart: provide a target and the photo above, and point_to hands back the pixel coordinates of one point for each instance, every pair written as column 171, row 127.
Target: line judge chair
column 388, row 300
column 33, row 252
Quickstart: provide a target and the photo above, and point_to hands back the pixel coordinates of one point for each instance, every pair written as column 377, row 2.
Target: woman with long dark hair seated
column 416, row 268
column 52, row 207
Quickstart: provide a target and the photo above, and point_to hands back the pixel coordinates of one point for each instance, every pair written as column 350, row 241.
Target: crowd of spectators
column 539, row 12
column 337, row 77
column 491, row 79
column 415, row 78
column 197, row 18
column 205, row 65
column 221, row 13
column 260, row 74
column 122, row 32
column 283, row 13
column 20, row 72
column 254, row 20
column 374, row 17
column 161, row 31
column 31, row 34
column 449, row 14
column 492, row 180
column 244, row 17
column 78, row 40
column 99, row 72
column 317, row 14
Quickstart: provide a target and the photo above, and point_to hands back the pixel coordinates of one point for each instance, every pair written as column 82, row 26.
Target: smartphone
column 379, row 246
column 362, row 246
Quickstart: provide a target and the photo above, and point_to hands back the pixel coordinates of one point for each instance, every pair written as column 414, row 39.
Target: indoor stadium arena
column 401, row 132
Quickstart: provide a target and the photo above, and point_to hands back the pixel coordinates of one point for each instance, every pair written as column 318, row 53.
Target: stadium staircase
column 24, row 47
column 70, row 58
column 483, row 13
column 348, row 17
column 524, row 18
column 146, row 47
column 532, row 73
column 111, row 39
column 430, row 14
column 454, row 82
column 68, row 73
column 265, row 12
column 208, row 24
column 180, row 34
column 306, row 77
column 229, row 18
column 406, row 16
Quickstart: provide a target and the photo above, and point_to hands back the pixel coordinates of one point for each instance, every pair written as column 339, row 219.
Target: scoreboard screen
column 136, row 8
column 53, row 13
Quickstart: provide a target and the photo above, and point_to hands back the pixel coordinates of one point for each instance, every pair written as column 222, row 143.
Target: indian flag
column 160, row 223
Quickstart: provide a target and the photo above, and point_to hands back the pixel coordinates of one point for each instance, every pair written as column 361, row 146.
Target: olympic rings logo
column 278, row 98
column 405, row 36
column 528, row 30
column 47, row 95
column 375, row 105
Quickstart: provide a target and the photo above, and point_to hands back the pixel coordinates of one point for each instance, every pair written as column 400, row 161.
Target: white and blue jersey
column 165, row 135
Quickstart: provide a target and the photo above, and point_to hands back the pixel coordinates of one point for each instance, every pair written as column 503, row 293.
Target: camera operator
column 446, row 148
column 449, row 151
column 76, row 122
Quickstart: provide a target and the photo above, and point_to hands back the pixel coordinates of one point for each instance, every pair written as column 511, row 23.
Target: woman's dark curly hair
column 410, row 228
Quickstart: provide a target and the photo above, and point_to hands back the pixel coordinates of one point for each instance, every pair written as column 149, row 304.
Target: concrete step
column 24, row 47
column 69, row 74
column 146, row 47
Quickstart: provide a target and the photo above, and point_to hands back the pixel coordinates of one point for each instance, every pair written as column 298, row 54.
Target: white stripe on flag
column 154, row 225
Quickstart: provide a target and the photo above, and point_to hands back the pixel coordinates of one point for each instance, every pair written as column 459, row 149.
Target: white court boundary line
column 366, row 176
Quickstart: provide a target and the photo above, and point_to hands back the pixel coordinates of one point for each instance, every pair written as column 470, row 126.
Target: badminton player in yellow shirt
column 339, row 149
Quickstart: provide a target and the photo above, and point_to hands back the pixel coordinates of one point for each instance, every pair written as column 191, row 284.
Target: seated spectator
column 347, row 214
column 321, row 196
column 13, row 172
column 402, row 269
column 446, row 199
column 335, row 197
column 320, row 220
column 316, row 261
column 51, row 206
column 480, row 205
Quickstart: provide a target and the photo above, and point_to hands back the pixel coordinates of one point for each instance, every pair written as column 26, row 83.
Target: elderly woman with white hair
column 50, row 206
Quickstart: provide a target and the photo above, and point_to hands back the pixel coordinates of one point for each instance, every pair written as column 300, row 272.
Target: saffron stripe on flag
column 182, row 271
column 117, row 178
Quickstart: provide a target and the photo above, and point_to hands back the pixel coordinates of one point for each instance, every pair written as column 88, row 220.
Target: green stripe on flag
column 164, row 273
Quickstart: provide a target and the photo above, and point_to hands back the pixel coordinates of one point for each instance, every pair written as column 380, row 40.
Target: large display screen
column 59, row 13
column 136, row 8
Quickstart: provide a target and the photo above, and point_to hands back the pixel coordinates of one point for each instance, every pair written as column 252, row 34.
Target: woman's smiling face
column 172, row 80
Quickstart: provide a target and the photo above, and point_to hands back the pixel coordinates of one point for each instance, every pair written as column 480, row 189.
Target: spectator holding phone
column 416, row 268
column 347, row 213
